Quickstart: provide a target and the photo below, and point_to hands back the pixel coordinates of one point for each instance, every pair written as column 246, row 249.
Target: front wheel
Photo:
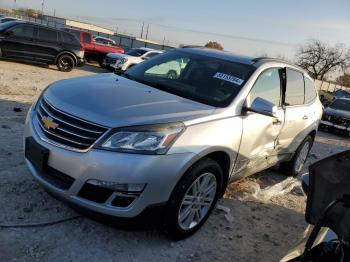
column 65, row 63
column 296, row 164
column 193, row 199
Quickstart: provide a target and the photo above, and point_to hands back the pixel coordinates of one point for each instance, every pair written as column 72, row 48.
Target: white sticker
column 229, row 78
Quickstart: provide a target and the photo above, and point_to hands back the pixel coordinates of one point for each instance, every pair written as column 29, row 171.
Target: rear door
column 48, row 45
column 19, row 42
column 297, row 114
column 260, row 132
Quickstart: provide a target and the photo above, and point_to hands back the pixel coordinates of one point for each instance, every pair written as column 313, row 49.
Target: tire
column 65, row 63
column 100, row 61
column 177, row 227
column 171, row 74
column 294, row 167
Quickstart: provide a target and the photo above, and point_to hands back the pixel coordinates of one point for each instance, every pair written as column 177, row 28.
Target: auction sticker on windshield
column 229, row 78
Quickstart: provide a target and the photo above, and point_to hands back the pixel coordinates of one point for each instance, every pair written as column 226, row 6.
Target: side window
column 86, row 38
column 310, row 92
column 47, row 35
column 268, row 87
column 295, row 88
column 23, row 31
column 76, row 34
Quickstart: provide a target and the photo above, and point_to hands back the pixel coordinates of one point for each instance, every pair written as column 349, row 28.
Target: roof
column 229, row 56
column 148, row 49
column 225, row 55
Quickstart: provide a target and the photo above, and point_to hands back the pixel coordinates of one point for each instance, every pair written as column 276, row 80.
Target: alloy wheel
column 197, row 201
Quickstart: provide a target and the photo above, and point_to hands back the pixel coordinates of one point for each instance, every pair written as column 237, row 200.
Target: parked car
column 341, row 93
column 94, row 51
column 336, row 116
column 7, row 19
column 104, row 40
column 132, row 145
column 121, row 62
column 38, row 43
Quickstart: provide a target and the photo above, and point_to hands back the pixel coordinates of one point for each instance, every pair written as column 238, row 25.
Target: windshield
column 341, row 104
column 204, row 79
column 6, row 25
column 136, row 52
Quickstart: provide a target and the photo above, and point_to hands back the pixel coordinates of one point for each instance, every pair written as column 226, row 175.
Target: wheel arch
column 67, row 53
column 312, row 134
column 221, row 156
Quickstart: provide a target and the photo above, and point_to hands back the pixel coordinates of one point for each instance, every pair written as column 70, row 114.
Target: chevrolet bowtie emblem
column 48, row 122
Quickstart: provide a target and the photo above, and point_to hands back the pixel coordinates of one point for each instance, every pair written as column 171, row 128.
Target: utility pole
column 147, row 32
column 143, row 24
column 42, row 7
column 54, row 12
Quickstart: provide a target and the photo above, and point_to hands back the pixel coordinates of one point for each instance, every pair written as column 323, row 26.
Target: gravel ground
column 250, row 231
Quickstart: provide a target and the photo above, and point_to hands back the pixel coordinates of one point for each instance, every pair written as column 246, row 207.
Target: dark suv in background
column 37, row 43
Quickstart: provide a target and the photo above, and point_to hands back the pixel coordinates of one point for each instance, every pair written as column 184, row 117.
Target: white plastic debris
column 254, row 192
column 226, row 209
column 229, row 218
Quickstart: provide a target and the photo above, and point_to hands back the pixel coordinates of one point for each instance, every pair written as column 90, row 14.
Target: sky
column 249, row 27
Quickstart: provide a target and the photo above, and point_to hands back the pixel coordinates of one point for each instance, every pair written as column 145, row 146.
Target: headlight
column 123, row 60
column 153, row 139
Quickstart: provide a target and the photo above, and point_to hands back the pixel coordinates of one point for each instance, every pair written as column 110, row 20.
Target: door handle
column 276, row 122
column 305, row 117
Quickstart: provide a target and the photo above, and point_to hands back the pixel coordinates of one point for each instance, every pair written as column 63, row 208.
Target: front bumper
column 327, row 125
column 160, row 173
column 80, row 62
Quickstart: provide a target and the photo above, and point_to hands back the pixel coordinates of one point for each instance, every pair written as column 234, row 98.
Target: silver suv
column 125, row 146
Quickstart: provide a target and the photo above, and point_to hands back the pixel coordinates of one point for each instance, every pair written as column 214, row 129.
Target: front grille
column 110, row 61
column 57, row 178
column 71, row 132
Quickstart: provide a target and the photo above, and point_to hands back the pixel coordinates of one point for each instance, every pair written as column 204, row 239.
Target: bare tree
column 344, row 80
column 320, row 59
column 214, row 45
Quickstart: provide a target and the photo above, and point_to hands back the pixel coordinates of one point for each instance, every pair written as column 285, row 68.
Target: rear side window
column 47, row 35
column 310, row 92
column 295, row 88
column 76, row 34
column 69, row 38
column 267, row 86
column 23, row 31
column 86, row 38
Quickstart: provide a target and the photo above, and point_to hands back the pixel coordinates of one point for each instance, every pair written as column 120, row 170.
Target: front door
column 19, row 42
column 260, row 132
column 298, row 115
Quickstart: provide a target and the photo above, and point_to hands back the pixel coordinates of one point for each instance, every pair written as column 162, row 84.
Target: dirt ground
column 252, row 231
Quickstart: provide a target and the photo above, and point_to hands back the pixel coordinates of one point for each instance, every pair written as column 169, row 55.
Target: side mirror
column 262, row 106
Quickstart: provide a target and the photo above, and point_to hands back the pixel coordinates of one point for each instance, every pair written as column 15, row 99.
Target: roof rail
column 255, row 60
column 192, row 46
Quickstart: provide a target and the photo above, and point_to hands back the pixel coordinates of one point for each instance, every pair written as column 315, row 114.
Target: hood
column 116, row 55
column 114, row 101
column 337, row 112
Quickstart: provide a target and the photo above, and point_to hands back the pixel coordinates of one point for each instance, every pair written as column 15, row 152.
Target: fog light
column 119, row 187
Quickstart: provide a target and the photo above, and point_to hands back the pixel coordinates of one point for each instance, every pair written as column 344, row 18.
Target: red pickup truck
column 94, row 51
